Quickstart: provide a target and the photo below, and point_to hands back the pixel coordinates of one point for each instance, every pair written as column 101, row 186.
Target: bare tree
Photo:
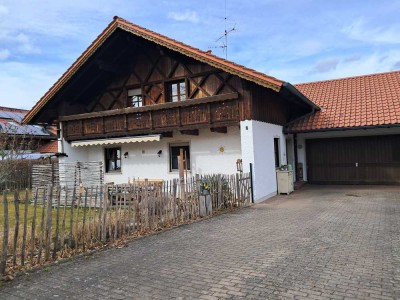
column 14, row 146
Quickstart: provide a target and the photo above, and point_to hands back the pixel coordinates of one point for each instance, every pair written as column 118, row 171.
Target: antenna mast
column 224, row 37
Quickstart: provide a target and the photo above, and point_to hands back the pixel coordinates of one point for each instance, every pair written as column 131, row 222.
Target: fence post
column 16, row 229
column 251, row 183
column 57, row 244
column 104, row 218
column 238, row 191
column 48, row 223
column 25, row 228
column 3, row 262
column 220, row 197
column 33, row 228
column 84, row 220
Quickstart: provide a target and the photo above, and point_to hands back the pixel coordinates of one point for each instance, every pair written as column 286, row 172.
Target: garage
column 354, row 160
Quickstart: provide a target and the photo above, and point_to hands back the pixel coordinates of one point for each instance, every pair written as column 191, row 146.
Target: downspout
column 60, row 138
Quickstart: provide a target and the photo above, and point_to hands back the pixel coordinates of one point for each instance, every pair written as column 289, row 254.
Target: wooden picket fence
column 38, row 227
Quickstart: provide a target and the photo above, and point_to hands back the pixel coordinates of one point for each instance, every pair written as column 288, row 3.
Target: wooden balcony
column 214, row 111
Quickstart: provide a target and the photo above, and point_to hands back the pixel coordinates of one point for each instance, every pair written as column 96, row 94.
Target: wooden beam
column 224, row 82
column 190, row 132
column 162, row 106
column 199, row 87
column 145, row 131
column 222, row 129
column 168, row 134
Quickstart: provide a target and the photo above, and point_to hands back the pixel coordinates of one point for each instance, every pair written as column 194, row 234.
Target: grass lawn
column 39, row 211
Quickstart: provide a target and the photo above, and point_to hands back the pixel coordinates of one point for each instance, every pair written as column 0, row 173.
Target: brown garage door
column 356, row 160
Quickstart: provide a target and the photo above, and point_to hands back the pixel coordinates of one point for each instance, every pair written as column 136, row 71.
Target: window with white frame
column 135, row 97
column 177, row 91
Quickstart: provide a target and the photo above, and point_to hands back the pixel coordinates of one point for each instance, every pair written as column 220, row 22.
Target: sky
column 294, row 40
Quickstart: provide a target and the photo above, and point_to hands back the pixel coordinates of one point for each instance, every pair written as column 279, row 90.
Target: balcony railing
column 214, row 111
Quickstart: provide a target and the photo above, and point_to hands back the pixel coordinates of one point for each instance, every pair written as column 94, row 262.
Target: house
column 135, row 98
column 355, row 137
column 21, row 137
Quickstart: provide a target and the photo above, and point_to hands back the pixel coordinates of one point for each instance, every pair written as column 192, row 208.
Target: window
column 113, row 159
column 135, row 97
column 177, row 91
column 276, row 152
column 174, row 152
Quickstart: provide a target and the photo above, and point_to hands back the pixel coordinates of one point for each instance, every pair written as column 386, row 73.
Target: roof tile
column 352, row 102
column 50, row 147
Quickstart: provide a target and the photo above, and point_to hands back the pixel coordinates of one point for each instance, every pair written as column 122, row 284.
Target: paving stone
column 318, row 243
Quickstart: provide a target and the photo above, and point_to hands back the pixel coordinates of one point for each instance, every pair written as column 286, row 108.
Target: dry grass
column 74, row 230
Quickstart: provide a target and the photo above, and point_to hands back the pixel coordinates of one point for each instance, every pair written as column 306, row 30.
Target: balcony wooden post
column 151, row 120
column 82, row 129
column 209, row 113
column 179, row 117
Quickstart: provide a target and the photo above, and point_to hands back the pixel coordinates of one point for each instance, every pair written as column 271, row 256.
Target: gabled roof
column 203, row 56
column 361, row 101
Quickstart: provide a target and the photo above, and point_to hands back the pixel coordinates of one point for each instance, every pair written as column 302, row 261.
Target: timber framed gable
column 153, row 70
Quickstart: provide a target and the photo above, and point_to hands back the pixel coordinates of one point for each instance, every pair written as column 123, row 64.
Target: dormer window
column 177, row 91
column 135, row 97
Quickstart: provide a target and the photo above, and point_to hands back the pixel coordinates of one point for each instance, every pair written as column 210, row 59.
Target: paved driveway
column 319, row 243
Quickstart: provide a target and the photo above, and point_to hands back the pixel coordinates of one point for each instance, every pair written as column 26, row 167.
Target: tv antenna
column 224, row 37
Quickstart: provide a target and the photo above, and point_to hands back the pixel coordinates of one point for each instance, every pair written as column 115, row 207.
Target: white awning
column 123, row 140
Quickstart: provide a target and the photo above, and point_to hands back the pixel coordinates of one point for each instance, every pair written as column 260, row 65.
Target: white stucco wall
column 257, row 140
column 74, row 154
column 302, row 137
column 143, row 161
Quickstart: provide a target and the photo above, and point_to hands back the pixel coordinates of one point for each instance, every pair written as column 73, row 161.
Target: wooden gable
column 152, row 68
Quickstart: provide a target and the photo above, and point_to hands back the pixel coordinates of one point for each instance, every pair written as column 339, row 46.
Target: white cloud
column 367, row 64
column 4, row 54
column 21, row 43
column 26, row 46
column 185, row 16
column 361, row 31
column 3, row 10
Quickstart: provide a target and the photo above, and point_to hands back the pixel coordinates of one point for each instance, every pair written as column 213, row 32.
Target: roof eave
column 344, row 128
column 298, row 95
